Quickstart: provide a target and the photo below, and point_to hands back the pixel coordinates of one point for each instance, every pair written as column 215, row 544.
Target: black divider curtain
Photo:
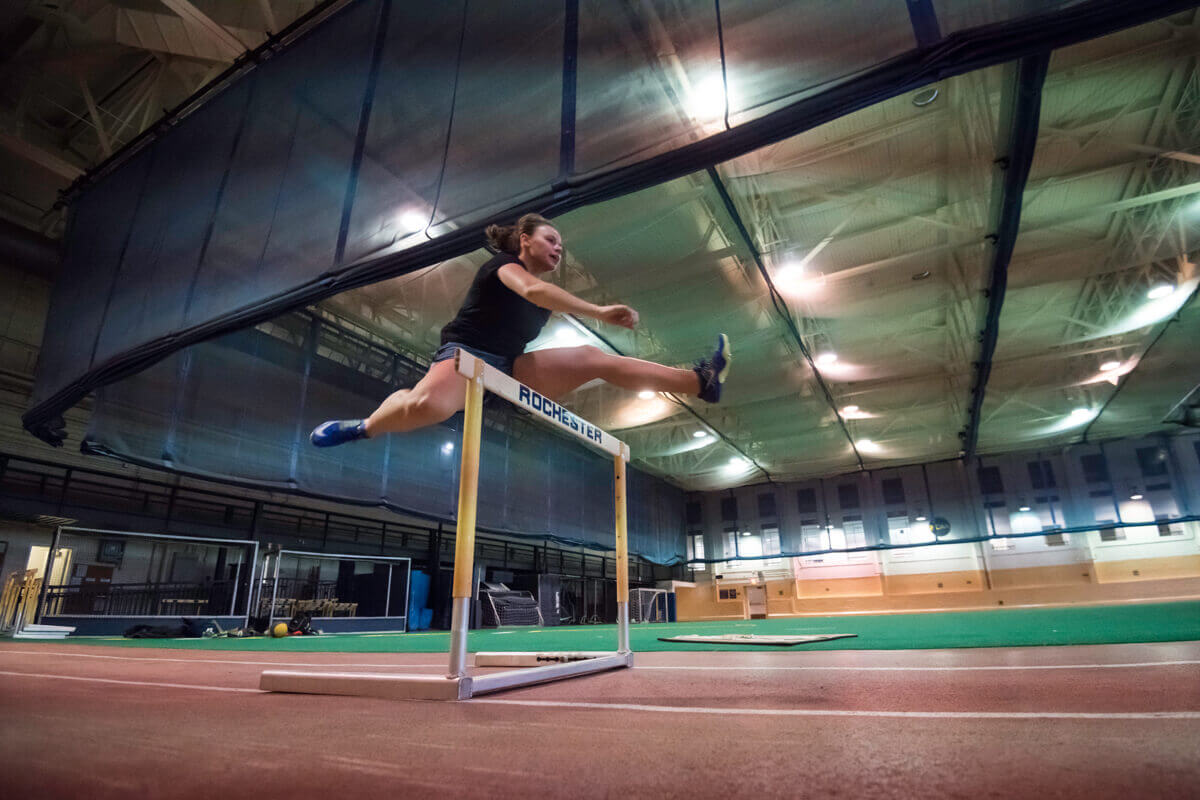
column 383, row 140
column 239, row 408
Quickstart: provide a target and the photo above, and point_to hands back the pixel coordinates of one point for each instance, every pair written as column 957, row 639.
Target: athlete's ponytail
column 507, row 238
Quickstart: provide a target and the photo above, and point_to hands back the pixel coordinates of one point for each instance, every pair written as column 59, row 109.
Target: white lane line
column 1130, row 665
column 719, row 668
column 815, row 712
column 133, row 683
column 3, row 651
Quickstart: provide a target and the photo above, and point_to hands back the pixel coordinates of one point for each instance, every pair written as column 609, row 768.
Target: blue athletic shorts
column 502, row 363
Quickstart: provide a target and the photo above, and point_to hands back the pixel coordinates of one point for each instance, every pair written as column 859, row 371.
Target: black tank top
column 493, row 317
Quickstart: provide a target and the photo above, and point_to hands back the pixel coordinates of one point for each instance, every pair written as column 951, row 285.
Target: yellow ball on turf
column 280, row 630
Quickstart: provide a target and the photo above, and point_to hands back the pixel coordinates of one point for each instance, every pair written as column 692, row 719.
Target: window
column 1055, row 539
column 807, row 500
column 812, row 538
column 729, row 509
column 1002, row 544
column 901, row 531
column 893, row 491
column 770, row 545
column 1153, row 461
column 1095, row 468
column 1166, row 529
column 989, row 480
column 731, row 535
column 1041, row 475
column 750, row 546
column 848, row 496
column 766, row 504
column 1111, row 534
column 695, row 515
column 854, row 534
column 695, row 550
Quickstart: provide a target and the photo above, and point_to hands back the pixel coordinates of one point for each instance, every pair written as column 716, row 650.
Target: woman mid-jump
column 505, row 309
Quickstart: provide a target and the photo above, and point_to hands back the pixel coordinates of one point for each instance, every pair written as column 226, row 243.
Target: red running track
column 1120, row 721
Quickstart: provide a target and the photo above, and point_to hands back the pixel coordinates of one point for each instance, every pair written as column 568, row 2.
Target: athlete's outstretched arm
column 549, row 296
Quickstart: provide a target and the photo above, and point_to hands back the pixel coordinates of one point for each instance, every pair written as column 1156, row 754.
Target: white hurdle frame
column 532, row 667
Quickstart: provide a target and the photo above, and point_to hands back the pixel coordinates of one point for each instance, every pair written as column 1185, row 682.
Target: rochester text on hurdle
column 554, row 411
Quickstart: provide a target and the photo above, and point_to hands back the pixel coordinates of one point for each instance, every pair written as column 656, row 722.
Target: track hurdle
column 532, row 667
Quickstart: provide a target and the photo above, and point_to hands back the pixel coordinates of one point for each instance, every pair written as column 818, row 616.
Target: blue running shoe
column 712, row 371
column 335, row 432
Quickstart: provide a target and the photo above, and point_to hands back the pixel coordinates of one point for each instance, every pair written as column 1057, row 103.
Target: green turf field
column 1001, row 627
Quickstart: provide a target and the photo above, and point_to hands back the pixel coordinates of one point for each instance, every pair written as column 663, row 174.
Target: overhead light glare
column 1160, row 291
column 850, row 410
column 1135, row 497
column 867, row 446
column 413, row 220
column 701, row 435
column 1023, row 508
column 736, row 465
column 706, row 101
column 1109, row 366
column 645, row 394
column 824, row 359
column 448, row 448
column 922, row 518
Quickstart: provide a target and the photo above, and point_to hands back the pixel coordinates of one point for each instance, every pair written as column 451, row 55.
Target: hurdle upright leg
column 622, row 552
column 464, row 542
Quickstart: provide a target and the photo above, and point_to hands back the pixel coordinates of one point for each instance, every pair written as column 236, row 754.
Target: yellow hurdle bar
column 540, row 667
column 468, row 499
column 622, row 550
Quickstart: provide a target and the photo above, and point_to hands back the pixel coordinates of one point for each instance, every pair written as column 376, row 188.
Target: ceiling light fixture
column 736, row 465
column 922, row 518
column 1109, row 366
column 827, row 358
column 867, row 446
column 1160, row 291
column 1135, row 497
column 645, row 394
column 448, row 448
column 850, row 410
column 1023, row 508
column 925, row 97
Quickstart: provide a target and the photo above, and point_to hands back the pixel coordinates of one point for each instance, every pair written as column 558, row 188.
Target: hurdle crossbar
column 532, row 667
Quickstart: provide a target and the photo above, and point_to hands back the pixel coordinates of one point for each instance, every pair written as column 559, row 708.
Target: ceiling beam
column 1177, row 155
column 214, row 32
column 781, row 307
column 1016, row 141
column 42, row 158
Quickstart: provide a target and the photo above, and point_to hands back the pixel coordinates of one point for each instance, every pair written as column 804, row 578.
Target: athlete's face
column 544, row 248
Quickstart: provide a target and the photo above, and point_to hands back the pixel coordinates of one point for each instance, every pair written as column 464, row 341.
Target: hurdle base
column 362, row 684
column 537, row 659
column 430, row 687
